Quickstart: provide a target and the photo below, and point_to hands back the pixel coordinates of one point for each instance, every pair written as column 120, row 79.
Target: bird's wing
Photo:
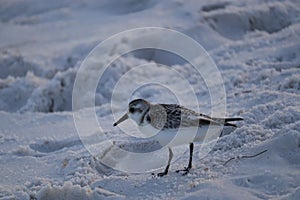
column 191, row 118
column 166, row 116
column 203, row 119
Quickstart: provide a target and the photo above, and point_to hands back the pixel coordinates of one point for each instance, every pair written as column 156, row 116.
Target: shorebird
column 172, row 125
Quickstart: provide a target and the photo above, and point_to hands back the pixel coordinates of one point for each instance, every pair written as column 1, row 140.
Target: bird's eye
column 131, row 110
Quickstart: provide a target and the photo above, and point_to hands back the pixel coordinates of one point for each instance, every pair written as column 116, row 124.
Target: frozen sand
column 255, row 45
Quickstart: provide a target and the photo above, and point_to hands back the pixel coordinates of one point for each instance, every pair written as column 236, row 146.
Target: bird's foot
column 162, row 174
column 185, row 171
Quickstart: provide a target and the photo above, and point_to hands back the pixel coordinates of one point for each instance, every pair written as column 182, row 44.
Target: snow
column 255, row 45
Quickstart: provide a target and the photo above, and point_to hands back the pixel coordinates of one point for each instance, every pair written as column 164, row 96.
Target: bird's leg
column 191, row 155
column 168, row 165
column 186, row 170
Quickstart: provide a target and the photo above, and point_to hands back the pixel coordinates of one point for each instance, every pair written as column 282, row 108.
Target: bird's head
column 136, row 110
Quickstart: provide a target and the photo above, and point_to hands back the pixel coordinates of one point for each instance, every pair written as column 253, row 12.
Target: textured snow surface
column 255, row 45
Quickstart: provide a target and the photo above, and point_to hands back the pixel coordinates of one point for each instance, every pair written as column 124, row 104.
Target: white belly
column 175, row 137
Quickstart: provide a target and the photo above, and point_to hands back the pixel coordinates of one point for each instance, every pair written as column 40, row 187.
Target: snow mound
column 74, row 192
column 15, row 92
column 234, row 22
column 291, row 84
column 16, row 66
column 56, row 95
column 263, row 183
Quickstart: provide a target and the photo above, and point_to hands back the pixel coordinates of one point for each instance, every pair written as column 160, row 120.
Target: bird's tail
column 226, row 120
column 233, row 119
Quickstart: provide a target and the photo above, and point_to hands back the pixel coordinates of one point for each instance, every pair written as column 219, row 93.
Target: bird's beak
column 121, row 120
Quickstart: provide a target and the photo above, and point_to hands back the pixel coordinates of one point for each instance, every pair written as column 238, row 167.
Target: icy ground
column 255, row 45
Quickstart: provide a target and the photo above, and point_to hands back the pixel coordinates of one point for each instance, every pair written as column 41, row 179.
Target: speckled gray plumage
column 173, row 116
